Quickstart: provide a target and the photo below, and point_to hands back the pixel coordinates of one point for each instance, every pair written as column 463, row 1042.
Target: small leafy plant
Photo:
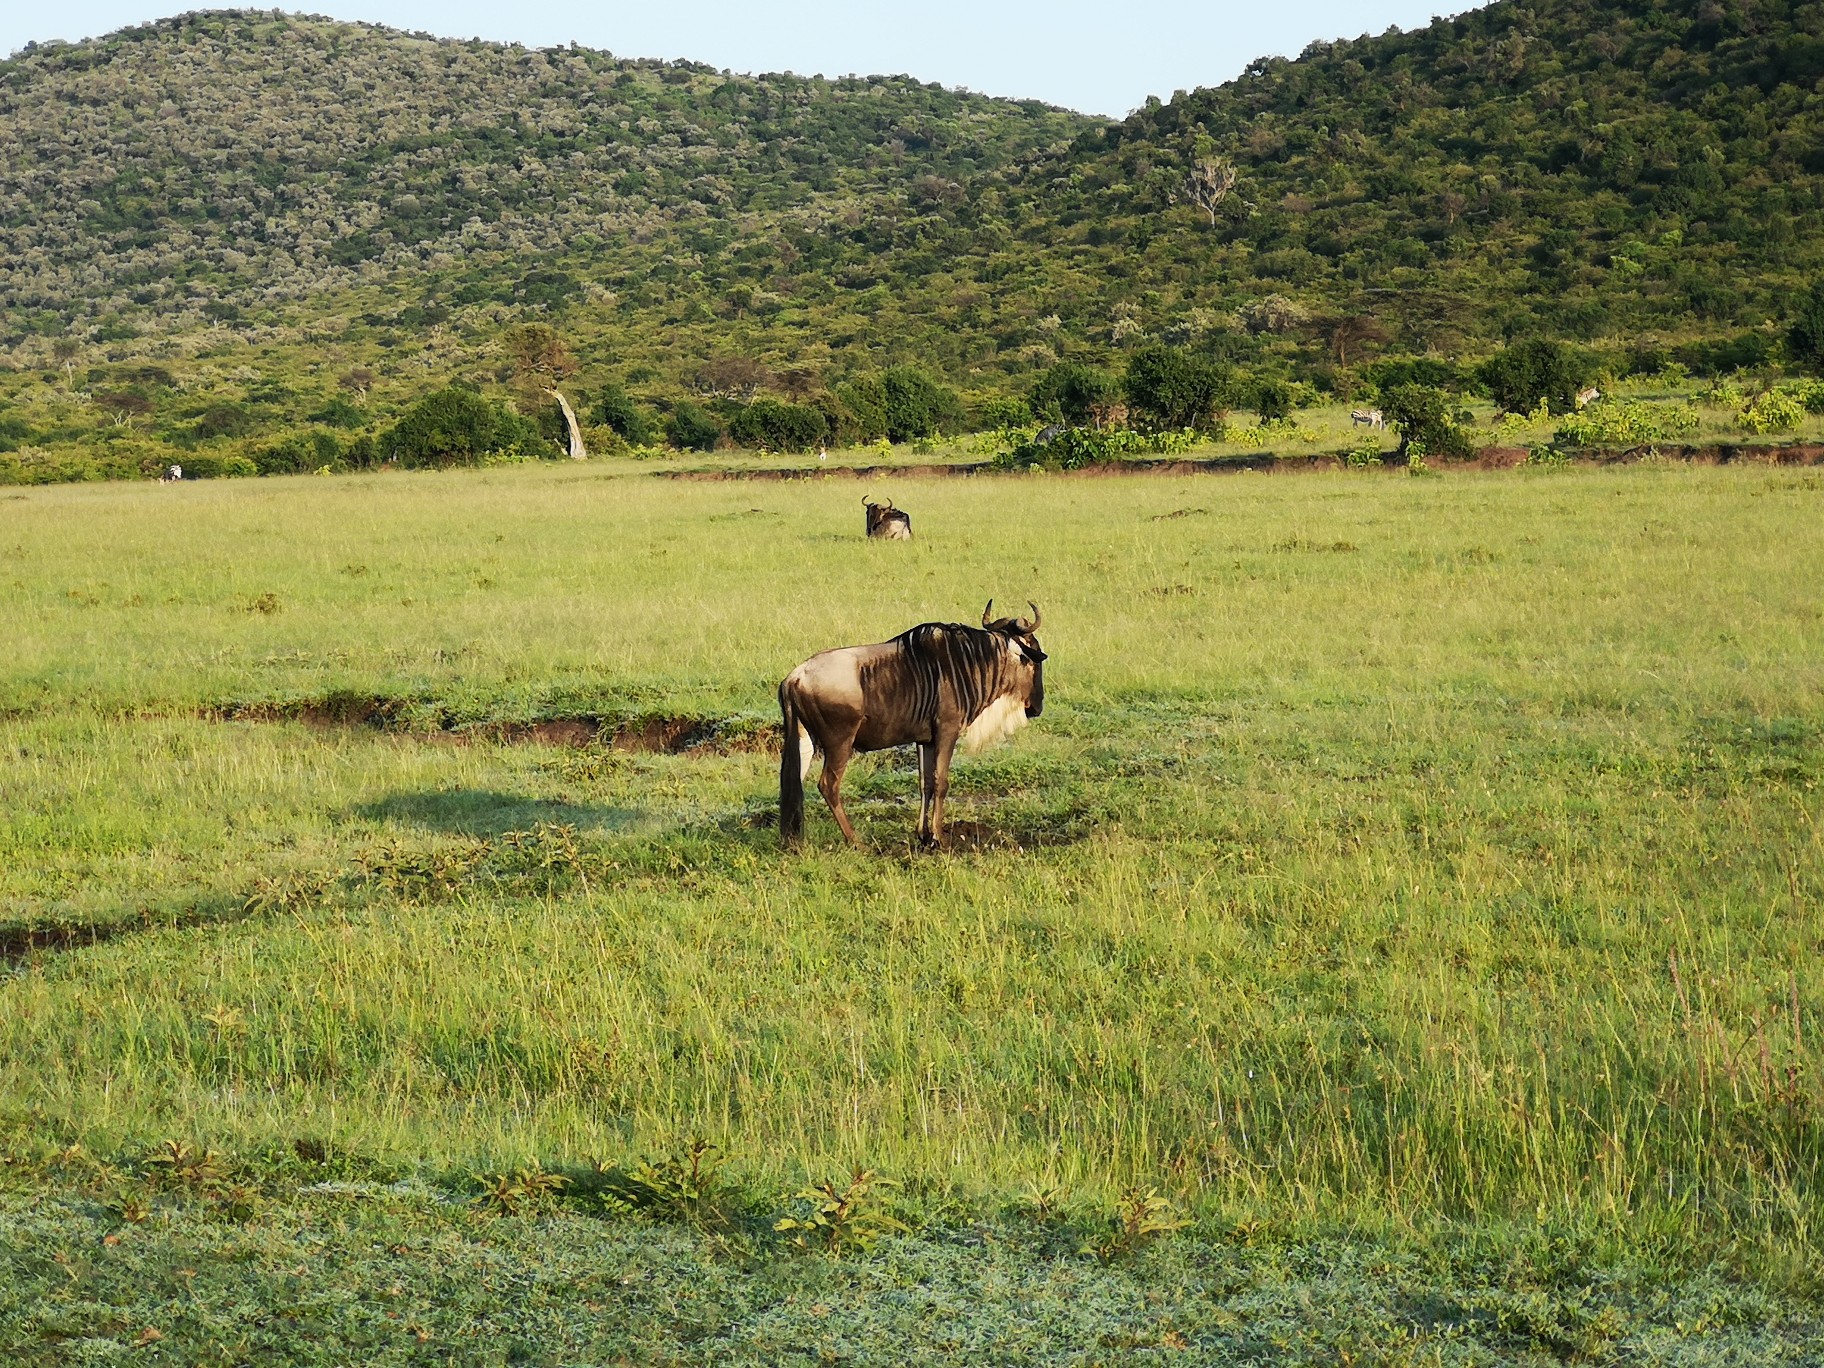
column 688, row 1187
column 1141, row 1217
column 508, row 1193
column 836, row 1219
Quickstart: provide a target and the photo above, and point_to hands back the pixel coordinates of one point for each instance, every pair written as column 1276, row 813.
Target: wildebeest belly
column 884, row 733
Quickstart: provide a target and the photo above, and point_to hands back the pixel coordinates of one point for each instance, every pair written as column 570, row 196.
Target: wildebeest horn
column 865, row 502
column 986, row 612
column 1036, row 615
column 890, row 504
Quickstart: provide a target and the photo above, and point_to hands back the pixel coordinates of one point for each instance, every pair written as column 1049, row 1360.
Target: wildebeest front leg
column 829, row 784
column 944, row 748
column 927, row 787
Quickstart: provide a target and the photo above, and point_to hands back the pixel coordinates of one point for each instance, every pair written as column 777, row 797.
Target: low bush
column 206, row 466
column 299, row 454
column 1074, row 393
column 901, row 404
column 692, row 427
column 778, row 427
column 1170, row 388
column 223, row 420
column 616, row 409
column 1772, row 411
column 1626, row 421
column 1536, row 370
column 1075, row 448
column 1426, row 417
column 456, row 426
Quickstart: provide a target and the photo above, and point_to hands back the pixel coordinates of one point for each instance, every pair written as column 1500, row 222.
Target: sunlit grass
column 1394, row 850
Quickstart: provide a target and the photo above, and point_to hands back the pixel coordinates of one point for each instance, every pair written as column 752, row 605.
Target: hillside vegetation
column 233, row 211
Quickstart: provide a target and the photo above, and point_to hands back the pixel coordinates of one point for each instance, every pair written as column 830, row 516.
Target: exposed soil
column 658, row 735
column 1488, row 458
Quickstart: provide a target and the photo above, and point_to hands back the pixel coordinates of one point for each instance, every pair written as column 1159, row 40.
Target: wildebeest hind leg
column 829, row 784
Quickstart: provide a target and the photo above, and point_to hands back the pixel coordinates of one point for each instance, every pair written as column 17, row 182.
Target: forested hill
column 234, row 166
column 282, row 197
column 1595, row 170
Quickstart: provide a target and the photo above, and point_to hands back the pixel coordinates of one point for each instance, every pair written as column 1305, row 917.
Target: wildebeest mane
column 972, row 659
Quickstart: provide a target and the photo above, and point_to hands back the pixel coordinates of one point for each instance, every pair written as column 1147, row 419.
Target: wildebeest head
column 1022, row 634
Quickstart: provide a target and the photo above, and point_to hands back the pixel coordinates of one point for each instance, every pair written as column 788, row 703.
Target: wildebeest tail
column 791, row 771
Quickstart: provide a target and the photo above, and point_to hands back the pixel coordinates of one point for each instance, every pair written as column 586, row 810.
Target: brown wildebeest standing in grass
column 884, row 520
column 932, row 686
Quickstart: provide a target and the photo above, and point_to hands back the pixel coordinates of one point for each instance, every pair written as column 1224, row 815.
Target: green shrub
column 338, row 412
column 1074, row 393
column 14, row 433
column 615, row 409
column 778, row 427
column 1538, row 370
column 1426, row 417
column 918, row 406
column 864, row 409
column 363, row 453
column 1805, row 339
column 1626, row 421
column 1273, row 399
column 900, row 404
column 299, row 454
column 204, row 466
column 1074, row 448
column 1772, row 411
column 692, row 427
column 223, row 420
column 1168, row 387
column 456, row 426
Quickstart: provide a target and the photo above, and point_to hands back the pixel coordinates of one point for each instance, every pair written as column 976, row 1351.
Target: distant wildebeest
column 1586, row 397
column 1369, row 417
column 934, row 685
column 884, row 520
column 172, row 474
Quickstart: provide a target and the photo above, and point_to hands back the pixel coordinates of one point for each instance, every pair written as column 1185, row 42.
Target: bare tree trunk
column 578, row 452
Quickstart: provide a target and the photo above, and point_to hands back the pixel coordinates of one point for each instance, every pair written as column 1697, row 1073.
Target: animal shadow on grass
column 20, row 939
column 488, row 812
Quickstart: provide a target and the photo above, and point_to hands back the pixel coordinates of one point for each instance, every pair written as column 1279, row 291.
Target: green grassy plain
column 1400, row 860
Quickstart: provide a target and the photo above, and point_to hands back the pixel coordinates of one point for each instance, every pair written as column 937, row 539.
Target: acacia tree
column 541, row 362
column 1350, row 331
column 1210, row 178
column 731, row 377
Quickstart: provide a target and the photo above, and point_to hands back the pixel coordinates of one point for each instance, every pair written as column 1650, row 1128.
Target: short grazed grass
column 1409, row 858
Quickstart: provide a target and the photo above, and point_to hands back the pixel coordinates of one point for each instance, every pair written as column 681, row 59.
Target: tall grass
column 1389, row 850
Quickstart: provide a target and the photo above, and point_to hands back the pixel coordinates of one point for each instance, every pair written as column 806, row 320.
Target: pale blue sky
column 1100, row 58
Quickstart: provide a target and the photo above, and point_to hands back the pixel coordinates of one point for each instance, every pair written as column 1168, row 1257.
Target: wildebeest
column 1371, row 417
column 934, row 685
column 884, row 520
